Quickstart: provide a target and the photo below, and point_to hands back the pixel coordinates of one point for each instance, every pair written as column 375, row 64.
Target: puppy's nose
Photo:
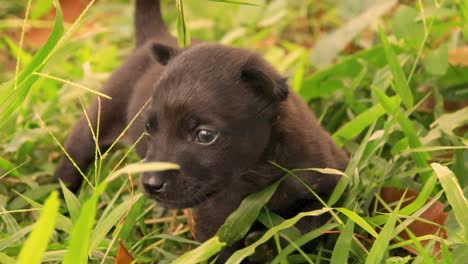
column 154, row 184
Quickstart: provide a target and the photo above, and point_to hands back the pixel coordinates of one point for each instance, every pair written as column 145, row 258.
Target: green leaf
column 354, row 127
column 454, row 194
column 436, row 61
column 201, row 253
column 393, row 109
column 415, row 205
column 36, row 244
column 24, row 57
column 358, row 220
column 15, row 237
column 460, row 253
column 324, row 82
column 401, row 84
column 238, row 223
column 8, row 167
column 343, row 244
column 183, row 35
column 406, row 26
column 107, row 223
column 19, row 88
column 463, row 9
column 63, row 223
column 304, row 239
column 240, row 255
column 380, row 245
column 81, row 233
column 446, row 255
column 446, row 124
column 5, row 259
column 10, row 222
column 132, row 219
column 72, row 202
column 34, row 194
column 40, row 8
column 270, row 219
column 235, row 2
column 421, row 199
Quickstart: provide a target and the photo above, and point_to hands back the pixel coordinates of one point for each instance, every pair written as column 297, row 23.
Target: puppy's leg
column 81, row 145
column 112, row 120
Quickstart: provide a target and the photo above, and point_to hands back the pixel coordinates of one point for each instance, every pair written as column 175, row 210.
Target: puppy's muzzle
column 157, row 183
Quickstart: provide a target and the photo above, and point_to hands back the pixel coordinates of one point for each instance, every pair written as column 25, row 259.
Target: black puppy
column 220, row 113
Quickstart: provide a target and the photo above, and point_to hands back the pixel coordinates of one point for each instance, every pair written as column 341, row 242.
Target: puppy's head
column 212, row 113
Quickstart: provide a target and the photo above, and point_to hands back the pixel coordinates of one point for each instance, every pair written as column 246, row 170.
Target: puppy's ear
column 162, row 53
column 265, row 82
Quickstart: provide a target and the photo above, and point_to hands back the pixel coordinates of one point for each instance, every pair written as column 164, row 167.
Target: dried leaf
column 458, row 56
column 435, row 213
column 191, row 222
column 123, row 256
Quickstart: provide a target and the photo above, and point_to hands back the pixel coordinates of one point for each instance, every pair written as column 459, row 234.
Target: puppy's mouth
column 186, row 200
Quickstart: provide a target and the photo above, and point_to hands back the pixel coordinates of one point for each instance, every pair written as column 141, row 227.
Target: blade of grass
column 5, row 259
column 340, row 188
column 201, row 253
column 418, row 203
column 358, row 220
column 9, row 168
column 81, row 233
column 354, row 127
column 10, row 222
column 72, row 84
column 343, row 244
column 183, row 35
column 103, row 226
column 235, row 2
column 422, row 252
column 19, row 89
column 63, row 223
column 238, row 223
column 73, row 204
column 270, row 219
column 62, row 148
column 240, row 255
column 110, row 204
column 40, row 8
column 132, row 218
column 454, row 194
column 303, row 240
column 415, row 216
column 36, row 244
column 23, row 27
column 380, row 245
column 392, row 109
column 23, row 56
column 15, row 237
column 323, row 82
column 446, row 255
column 401, row 84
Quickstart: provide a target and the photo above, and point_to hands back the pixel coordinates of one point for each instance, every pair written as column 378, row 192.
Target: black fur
column 230, row 91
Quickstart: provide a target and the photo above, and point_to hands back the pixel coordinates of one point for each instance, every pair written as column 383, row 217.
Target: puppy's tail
column 148, row 21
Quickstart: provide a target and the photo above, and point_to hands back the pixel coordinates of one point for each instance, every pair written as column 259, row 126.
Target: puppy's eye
column 205, row 136
column 148, row 128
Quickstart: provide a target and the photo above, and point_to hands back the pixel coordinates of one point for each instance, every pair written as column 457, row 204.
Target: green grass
column 381, row 79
